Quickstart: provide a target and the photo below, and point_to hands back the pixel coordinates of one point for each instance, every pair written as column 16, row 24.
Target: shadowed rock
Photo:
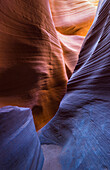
column 82, row 123
column 32, row 70
column 35, row 60
column 19, row 144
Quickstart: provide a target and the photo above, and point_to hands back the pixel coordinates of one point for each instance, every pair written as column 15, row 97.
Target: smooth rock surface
column 20, row 147
column 51, row 155
column 71, row 45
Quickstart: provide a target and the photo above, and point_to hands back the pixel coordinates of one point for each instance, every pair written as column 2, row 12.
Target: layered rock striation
column 32, row 70
column 81, row 124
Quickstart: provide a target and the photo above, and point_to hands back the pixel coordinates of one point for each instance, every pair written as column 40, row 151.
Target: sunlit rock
column 32, row 70
column 94, row 2
column 35, row 59
column 73, row 16
column 71, row 45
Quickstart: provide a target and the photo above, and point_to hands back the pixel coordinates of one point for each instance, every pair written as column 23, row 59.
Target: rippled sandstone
column 35, row 60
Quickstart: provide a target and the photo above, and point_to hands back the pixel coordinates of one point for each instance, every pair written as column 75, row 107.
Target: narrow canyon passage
column 39, row 47
column 54, row 78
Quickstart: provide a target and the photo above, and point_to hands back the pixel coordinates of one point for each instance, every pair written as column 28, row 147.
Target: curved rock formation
column 73, row 17
column 81, row 126
column 34, row 66
column 72, row 20
column 78, row 136
column 19, row 144
column 71, row 45
column 32, row 70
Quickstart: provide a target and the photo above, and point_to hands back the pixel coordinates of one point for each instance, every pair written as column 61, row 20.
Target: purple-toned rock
column 19, row 144
column 82, row 123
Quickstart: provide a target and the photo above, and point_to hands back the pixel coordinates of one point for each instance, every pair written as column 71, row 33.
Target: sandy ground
column 51, row 157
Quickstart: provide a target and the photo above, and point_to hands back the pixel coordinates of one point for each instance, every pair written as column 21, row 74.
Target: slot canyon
column 54, row 85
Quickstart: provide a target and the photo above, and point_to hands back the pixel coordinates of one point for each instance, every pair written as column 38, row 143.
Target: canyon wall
column 80, row 129
column 35, row 59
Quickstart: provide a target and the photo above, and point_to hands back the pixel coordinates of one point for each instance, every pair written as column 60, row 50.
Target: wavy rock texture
column 81, row 126
column 19, row 144
column 71, row 46
column 35, row 61
column 73, row 17
column 72, row 20
column 32, row 70
column 78, row 136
